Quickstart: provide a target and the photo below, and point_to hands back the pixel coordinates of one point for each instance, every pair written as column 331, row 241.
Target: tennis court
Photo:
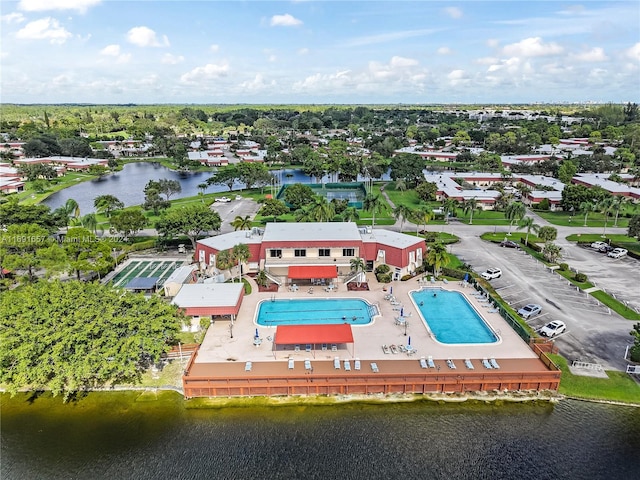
column 146, row 268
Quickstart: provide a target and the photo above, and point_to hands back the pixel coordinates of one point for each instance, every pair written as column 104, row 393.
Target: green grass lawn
column 594, row 219
column 619, row 387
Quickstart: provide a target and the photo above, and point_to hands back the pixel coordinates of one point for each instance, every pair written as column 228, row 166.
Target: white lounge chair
column 486, row 364
column 334, row 347
column 450, row 364
column 356, row 364
column 307, row 364
column 493, row 363
column 291, row 364
column 336, row 363
column 307, row 348
column 386, row 349
column 494, row 310
column 430, row 362
column 296, row 348
column 423, row 362
column 445, row 281
column 347, row 365
column 247, row 366
column 468, row 364
column 433, row 279
column 374, row 367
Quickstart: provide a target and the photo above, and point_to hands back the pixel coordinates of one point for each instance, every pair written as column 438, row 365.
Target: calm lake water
column 128, row 185
column 133, row 436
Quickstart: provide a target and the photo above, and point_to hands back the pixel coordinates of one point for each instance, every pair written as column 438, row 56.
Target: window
column 300, row 252
column 348, row 252
column 324, row 252
column 275, row 253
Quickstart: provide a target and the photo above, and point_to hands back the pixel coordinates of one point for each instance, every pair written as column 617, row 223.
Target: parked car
column 530, row 310
column 509, row 244
column 617, row 252
column 491, row 273
column 598, row 245
column 553, row 328
column 605, row 249
column 223, row 199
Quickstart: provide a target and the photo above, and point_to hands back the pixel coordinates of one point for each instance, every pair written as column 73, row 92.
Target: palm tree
column 223, row 260
column 401, row 212
column 586, row 208
column 515, row 211
column 202, row 188
column 422, row 216
column 529, row 224
column 551, row 252
column 605, row 206
column 357, row 266
column 350, row 214
column 321, row 210
column 401, row 184
column 241, row 223
column 374, row 204
column 69, row 209
column 450, row 205
column 470, row 205
column 618, row 203
column 240, row 254
column 437, row 257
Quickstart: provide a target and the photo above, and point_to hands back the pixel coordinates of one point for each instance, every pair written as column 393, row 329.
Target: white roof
column 181, row 274
column 208, row 295
column 231, row 239
column 392, row 239
column 310, row 231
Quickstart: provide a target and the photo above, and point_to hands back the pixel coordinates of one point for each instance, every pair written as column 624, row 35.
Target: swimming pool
column 314, row 311
column 451, row 318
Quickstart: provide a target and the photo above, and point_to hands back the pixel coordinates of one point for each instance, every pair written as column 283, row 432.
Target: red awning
column 313, row 271
column 313, row 334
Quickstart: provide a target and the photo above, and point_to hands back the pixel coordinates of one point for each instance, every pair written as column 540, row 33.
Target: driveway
column 230, row 210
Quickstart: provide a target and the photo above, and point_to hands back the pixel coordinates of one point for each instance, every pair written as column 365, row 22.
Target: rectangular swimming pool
column 451, row 318
column 314, row 311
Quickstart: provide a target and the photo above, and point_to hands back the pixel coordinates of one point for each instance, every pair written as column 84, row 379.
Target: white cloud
column 257, row 85
column 634, row 52
column 453, row 12
column 145, row 37
column 208, row 72
column 532, row 47
column 444, row 51
column 272, row 58
column 388, row 37
column 285, row 20
column 458, row 77
column 43, row 5
column 303, row 51
column 214, row 47
column 44, row 29
column 596, row 54
column 403, row 62
column 493, row 42
column 487, row 60
column 169, row 59
column 111, row 50
column 14, row 17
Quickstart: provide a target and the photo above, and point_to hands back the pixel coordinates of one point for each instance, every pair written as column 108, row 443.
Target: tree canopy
column 190, row 221
column 70, row 336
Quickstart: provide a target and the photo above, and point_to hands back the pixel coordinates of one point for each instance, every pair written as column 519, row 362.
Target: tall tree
column 437, row 257
column 128, row 222
column 402, row 212
column 470, row 205
column 605, row 206
column 586, row 208
column 375, row 204
column 422, row 216
column 530, row 225
column 69, row 336
column 240, row 255
column 515, row 212
column 357, row 266
column 190, row 221
column 85, row 252
column 107, row 204
column 241, row 223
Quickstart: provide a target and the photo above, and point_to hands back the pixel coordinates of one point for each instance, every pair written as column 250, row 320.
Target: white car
column 223, row 199
column 598, row 245
column 617, row 252
column 553, row 328
column 530, row 310
column 491, row 273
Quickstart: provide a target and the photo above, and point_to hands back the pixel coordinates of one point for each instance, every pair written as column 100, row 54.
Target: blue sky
column 112, row 51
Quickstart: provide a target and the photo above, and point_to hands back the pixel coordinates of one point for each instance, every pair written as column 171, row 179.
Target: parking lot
column 594, row 334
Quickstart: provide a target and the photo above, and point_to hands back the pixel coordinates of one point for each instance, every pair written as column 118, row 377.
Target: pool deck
column 218, row 346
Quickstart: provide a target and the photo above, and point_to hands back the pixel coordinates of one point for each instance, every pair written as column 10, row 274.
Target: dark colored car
column 509, row 244
column 605, row 248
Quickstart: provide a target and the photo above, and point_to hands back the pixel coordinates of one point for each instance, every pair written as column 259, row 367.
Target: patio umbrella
column 466, row 277
column 401, row 311
column 409, row 341
column 257, row 333
column 390, row 290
